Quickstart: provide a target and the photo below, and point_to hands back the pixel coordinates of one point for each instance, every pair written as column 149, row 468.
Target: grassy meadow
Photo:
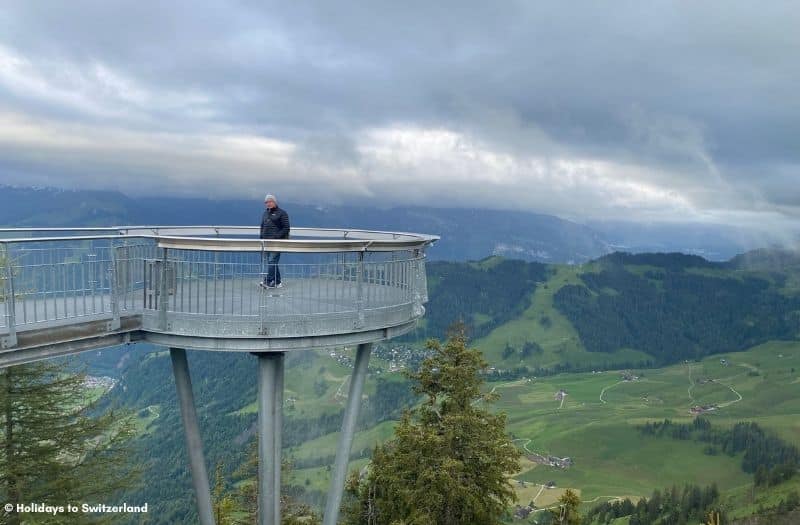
column 596, row 425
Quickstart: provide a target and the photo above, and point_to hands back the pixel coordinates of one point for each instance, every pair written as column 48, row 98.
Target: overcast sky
column 610, row 110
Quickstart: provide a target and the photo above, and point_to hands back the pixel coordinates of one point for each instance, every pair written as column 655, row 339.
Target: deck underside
column 37, row 343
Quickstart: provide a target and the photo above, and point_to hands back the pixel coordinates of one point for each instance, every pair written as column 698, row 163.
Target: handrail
column 57, row 229
column 315, row 240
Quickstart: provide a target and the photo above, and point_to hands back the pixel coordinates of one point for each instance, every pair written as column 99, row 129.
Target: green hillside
column 542, row 323
column 596, row 426
column 620, row 310
column 676, row 307
column 482, row 294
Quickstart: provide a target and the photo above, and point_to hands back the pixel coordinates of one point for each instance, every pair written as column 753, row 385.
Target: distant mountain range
column 467, row 234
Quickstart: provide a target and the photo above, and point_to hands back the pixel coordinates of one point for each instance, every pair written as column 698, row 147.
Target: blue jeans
column 273, row 273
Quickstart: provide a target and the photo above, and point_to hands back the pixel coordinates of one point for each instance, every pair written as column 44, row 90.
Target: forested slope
column 676, row 307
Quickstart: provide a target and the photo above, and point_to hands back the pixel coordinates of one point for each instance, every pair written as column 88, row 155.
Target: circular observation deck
column 199, row 286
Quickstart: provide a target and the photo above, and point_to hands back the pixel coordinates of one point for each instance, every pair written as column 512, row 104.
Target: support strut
column 270, row 424
column 194, row 445
column 336, row 490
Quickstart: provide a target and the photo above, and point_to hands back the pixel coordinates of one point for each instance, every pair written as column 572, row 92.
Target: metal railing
column 204, row 281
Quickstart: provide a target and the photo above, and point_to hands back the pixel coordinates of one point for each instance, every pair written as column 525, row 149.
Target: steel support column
column 336, row 491
column 194, row 445
column 278, row 430
column 270, row 425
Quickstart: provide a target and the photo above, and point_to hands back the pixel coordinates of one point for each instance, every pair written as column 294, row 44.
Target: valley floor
column 591, row 419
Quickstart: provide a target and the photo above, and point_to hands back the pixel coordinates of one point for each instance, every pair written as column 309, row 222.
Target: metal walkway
column 198, row 288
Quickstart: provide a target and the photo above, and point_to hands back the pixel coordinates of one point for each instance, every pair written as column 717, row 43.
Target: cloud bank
column 661, row 111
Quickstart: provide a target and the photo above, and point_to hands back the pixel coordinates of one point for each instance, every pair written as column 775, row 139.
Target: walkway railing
column 205, row 280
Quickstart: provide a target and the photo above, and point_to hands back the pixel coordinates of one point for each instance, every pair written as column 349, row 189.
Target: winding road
column 603, row 391
column 524, row 445
column 739, row 397
column 541, row 489
column 729, row 403
column 502, row 385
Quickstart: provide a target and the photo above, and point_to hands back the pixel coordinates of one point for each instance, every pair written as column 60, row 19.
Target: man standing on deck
column 274, row 225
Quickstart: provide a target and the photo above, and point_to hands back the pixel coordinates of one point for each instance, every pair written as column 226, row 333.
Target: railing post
column 10, row 340
column 418, row 283
column 114, row 289
column 262, row 297
column 91, row 261
column 163, row 299
column 360, row 321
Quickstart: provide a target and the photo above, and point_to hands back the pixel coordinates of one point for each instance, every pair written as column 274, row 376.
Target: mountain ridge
column 466, row 233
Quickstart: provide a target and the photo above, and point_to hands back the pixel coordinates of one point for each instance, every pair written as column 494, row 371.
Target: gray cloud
column 660, row 110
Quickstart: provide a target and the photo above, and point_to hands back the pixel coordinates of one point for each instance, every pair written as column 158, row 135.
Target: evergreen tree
column 689, row 505
column 508, row 351
column 224, row 503
column 241, row 507
column 450, row 459
column 52, row 448
column 567, row 511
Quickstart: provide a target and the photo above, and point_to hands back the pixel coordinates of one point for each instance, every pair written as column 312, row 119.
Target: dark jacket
column 275, row 224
